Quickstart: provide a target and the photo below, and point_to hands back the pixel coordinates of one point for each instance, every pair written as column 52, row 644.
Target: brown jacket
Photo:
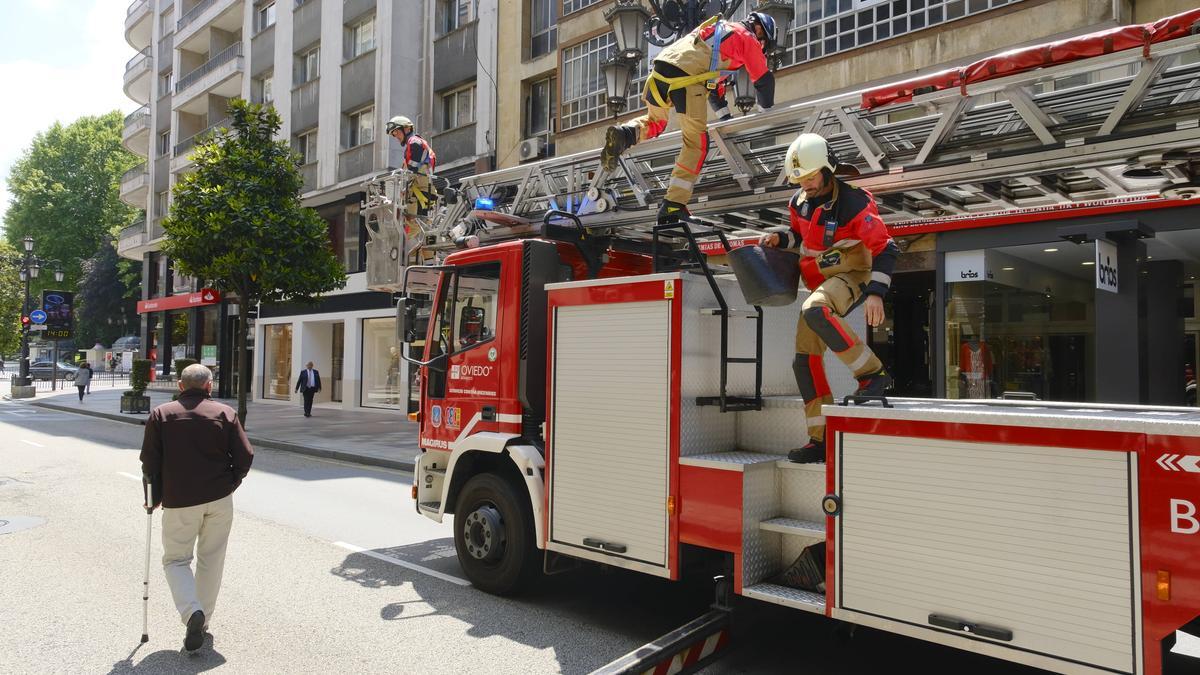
column 195, row 449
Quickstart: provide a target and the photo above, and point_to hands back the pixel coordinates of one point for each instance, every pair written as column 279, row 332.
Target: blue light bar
column 484, row 203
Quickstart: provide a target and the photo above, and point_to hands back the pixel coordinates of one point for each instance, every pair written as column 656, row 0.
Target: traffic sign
column 37, row 316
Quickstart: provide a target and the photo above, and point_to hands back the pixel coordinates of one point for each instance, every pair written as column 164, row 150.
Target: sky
column 59, row 60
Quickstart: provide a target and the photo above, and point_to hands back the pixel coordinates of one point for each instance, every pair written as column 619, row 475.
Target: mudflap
column 686, row 649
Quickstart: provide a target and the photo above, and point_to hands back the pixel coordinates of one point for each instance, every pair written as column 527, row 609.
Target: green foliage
column 11, row 295
column 65, row 193
column 139, row 376
column 106, row 297
column 180, row 364
column 237, row 221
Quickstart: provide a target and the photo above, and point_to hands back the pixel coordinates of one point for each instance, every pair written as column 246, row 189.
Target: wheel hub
column 483, row 532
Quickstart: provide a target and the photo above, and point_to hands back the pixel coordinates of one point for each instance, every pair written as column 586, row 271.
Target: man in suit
column 308, row 384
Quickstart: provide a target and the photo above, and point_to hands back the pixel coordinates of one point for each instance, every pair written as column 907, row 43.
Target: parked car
column 44, row 370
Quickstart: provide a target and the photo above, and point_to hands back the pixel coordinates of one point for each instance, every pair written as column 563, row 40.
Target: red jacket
column 740, row 48
column 417, row 152
column 853, row 220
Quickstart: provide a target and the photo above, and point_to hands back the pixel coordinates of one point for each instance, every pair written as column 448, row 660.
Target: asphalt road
column 330, row 570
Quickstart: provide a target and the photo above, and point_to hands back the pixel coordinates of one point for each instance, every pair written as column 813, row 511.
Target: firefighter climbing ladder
column 1120, row 126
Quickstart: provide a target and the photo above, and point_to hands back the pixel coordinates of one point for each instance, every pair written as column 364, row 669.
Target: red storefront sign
column 204, row 296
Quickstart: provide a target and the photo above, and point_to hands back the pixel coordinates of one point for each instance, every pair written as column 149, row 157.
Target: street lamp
column 745, row 99
column 628, row 20
column 783, row 12
column 29, row 266
column 617, row 73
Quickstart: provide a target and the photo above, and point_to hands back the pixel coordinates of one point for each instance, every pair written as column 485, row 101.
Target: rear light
column 414, row 493
column 670, row 505
column 1162, row 586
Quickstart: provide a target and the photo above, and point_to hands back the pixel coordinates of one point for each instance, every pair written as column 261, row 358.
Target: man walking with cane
column 196, row 454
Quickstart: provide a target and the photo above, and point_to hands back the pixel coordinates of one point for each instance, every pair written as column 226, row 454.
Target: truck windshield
column 465, row 316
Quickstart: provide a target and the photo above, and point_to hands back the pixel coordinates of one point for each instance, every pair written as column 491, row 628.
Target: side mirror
column 406, row 319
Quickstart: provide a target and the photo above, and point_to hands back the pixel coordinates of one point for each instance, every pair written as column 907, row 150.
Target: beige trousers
column 202, row 531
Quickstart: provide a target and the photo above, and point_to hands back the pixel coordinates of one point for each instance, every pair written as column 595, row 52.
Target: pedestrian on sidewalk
column 83, row 378
column 91, row 373
column 196, row 452
column 308, row 384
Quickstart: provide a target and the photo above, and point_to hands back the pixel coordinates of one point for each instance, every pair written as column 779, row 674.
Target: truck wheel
column 493, row 534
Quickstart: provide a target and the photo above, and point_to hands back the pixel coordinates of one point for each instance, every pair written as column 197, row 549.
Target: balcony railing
column 190, row 142
column 309, row 173
column 135, row 7
column 224, row 56
column 134, row 116
column 136, row 61
column 132, row 230
column 356, row 161
column 196, row 10
column 139, row 170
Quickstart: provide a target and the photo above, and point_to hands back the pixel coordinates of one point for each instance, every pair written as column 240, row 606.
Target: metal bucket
column 769, row 277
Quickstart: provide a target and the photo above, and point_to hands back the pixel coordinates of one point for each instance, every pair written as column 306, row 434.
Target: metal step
column 792, row 466
column 733, row 313
column 430, row 506
column 794, row 526
column 732, row 403
column 788, row 597
column 439, row 472
column 741, row 359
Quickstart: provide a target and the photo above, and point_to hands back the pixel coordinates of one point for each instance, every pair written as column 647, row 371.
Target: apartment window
column 166, row 82
column 576, row 5
column 360, row 39
column 264, row 89
column 541, row 107
column 306, row 145
column 308, row 65
column 264, row 16
column 361, row 126
column 583, row 87
column 166, row 22
column 458, row 108
column 453, row 14
column 164, row 143
column 832, row 26
column 543, row 27
column 161, row 203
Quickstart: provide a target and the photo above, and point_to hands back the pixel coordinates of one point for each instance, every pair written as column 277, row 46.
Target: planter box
column 132, row 403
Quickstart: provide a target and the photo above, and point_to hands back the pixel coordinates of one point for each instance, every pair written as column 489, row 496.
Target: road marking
column 403, row 563
column 36, row 445
column 129, row 475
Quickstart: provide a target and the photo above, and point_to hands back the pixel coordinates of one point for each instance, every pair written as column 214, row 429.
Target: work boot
column 617, row 140
column 874, row 384
column 671, row 212
column 813, row 453
column 195, row 632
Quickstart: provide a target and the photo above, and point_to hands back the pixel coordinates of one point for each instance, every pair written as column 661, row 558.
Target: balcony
column 356, row 162
column 139, row 21
column 138, row 77
column 192, row 29
column 305, row 105
column 221, row 76
column 455, row 144
column 134, row 241
column 455, row 54
column 135, row 185
column 309, row 173
column 135, row 135
column 181, row 154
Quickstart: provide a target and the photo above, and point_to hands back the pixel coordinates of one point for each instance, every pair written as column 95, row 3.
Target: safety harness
column 709, row 79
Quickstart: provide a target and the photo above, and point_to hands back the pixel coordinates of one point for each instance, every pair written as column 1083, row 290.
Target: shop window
column 277, row 361
column 382, row 381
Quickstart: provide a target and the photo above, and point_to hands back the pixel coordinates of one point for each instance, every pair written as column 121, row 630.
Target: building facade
column 336, row 71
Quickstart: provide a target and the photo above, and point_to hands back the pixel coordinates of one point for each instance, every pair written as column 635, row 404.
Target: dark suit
column 308, row 388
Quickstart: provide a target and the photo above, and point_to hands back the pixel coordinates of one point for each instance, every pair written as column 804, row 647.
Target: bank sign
column 58, row 306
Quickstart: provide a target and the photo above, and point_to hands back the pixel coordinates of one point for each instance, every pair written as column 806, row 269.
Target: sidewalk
column 379, row 438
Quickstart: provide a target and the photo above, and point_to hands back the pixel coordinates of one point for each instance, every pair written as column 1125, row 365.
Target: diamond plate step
column 788, row 597
column 794, row 526
column 430, row 506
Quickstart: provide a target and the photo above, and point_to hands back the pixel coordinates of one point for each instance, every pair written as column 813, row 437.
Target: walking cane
column 146, row 580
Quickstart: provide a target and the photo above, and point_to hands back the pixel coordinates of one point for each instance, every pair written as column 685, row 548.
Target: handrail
column 225, row 55
column 194, row 12
column 135, row 7
column 190, row 142
column 132, row 117
column 129, row 65
column 134, row 172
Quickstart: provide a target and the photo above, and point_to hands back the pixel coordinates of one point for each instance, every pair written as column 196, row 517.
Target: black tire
column 493, row 534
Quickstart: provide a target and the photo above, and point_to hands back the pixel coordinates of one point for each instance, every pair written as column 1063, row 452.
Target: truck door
column 462, row 397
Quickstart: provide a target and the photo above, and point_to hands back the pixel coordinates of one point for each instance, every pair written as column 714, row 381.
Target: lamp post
column 30, row 266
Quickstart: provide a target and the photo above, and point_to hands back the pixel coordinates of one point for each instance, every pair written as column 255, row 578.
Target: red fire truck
column 591, row 396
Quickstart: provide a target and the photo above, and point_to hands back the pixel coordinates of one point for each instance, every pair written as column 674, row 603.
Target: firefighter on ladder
column 847, row 258
column 681, row 77
column 420, row 159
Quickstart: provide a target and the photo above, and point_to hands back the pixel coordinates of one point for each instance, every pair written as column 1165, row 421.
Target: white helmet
column 397, row 122
column 807, row 154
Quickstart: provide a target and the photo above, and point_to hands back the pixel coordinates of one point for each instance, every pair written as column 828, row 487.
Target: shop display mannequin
column 975, row 365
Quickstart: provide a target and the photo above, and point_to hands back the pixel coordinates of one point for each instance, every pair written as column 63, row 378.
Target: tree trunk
column 243, row 360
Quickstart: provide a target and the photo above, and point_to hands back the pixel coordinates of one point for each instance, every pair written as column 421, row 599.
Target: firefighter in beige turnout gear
column 847, row 258
column 420, row 159
column 680, row 78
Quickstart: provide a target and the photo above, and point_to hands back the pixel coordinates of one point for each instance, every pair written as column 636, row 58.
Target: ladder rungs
column 735, row 359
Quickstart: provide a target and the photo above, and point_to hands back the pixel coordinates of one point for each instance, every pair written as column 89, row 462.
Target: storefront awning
column 204, row 296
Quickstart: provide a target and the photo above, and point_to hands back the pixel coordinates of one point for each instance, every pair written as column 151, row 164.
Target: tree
column 107, row 297
column 65, row 192
column 237, row 222
column 12, row 293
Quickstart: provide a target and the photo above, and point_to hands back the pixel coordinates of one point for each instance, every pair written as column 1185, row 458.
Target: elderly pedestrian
column 83, row 380
column 196, row 453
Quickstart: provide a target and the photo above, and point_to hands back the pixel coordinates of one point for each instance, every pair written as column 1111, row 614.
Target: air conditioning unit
column 531, row 148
